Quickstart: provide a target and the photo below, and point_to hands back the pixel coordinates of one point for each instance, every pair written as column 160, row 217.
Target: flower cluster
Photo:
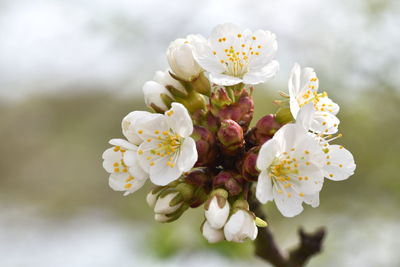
column 197, row 145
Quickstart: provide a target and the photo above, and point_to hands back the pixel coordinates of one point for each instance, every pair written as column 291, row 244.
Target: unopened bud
column 169, row 201
column 241, row 226
column 211, row 234
column 248, row 169
column 181, row 60
column 198, row 177
column 157, row 97
column 170, row 217
column 217, row 211
column 229, row 180
column 152, row 196
column 205, row 145
column 230, row 135
column 264, row 129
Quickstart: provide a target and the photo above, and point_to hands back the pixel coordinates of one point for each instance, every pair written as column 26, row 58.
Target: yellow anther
column 254, row 38
column 289, row 195
column 331, row 175
column 243, row 45
column 130, row 178
column 257, row 53
column 116, row 148
column 307, row 163
column 170, row 113
column 214, row 52
column 306, row 178
column 259, row 46
column 222, row 61
column 140, row 152
column 149, row 140
column 116, row 169
column 116, row 164
column 156, row 131
column 239, row 35
column 301, row 194
column 152, row 163
column 306, row 152
column 124, row 170
column 328, row 163
column 140, row 131
column 340, row 165
column 127, row 186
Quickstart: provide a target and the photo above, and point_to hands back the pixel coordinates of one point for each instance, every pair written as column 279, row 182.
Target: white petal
column 294, row 81
column 125, row 182
column 222, row 79
column 206, row 59
column 212, row 235
column 312, row 200
column 327, row 105
column 261, row 75
column 232, row 229
column 129, row 125
column 215, row 215
column 341, row 163
column 267, row 154
column 264, row 187
column 162, row 174
column 110, row 156
column 325, row 122
column 179, row 120
column 306, row 116
column 134, row 168
column 123, row 144
column 288, row 206
column 152, row 94
column 165, row 79
column 188, row 155
column 152, row 126
column 309, row 180
column 163, row 204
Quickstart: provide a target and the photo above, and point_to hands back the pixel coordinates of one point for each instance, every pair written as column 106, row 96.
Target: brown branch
column 267, row 249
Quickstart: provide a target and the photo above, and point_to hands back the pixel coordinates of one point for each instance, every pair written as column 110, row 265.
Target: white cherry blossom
column 303, row 88
column 167, row 149
column 180, row 57
column 291, row 166
column 234, row 55
column 156, row 91
column 241, row 226
column 122, row 164
column 216, row 215
column 211, row 234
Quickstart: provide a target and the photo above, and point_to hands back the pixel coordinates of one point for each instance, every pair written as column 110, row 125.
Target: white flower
column 303, row 87
column 129, row 123
column 233, row 55
column 215, row 214
column 240, row 226
column 338, row 162
column 164, row 204
column 291, row 166
column 122, row 164
column 156, row 92
column 211, row 234
column 180, row 57
column 167, row 149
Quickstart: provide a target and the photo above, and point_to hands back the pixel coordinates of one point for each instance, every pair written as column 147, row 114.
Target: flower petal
column 340, row 164
column 261, row 75
column 222, row 79
column 288, row 206
column 267, row 154
column 179, row 120
column 188, row 155
column 264, row 188
column 125, row 182
column 129, row 125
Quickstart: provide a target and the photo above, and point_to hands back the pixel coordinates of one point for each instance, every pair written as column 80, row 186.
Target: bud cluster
column 198, row 147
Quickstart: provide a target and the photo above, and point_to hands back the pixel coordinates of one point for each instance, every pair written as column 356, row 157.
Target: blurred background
column 69, row 72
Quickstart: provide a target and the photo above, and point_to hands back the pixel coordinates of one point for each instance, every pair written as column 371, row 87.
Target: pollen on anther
column 301, row 194
column 116, row 169
column 239, row 35
column 140, row 152
column 214, row 52
column 170, row 113
column 331, row 175
column 140, row 131
column 156, row 131
column 127, row 186
column 254, row 38
column 116, row 164
column 116, row 148
column 340, row 165
column 152, row 163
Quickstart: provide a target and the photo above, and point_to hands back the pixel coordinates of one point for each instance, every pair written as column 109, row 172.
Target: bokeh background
column 71, row 69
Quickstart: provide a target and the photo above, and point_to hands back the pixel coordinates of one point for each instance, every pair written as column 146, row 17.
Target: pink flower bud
column 248, row 168
column 229, row 180
column 198, row 177
column 230, row 135
column 205, row 145
column 264, row 130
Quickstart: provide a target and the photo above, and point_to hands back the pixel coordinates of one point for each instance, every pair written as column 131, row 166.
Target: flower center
column 168, row 144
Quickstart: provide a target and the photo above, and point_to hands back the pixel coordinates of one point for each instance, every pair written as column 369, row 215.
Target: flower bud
column 169, row 201
column 152, row 196
column 205, row 145
column 217, row 210
column 170, row 83
column 198, row 177
column 264, row 129
column 165, row 218
column 202, row 85
column 240, row 111
column 241, row 226
column 248, row 169
column 230, row 180
column 212, row 235
column 157, row 97
column 181, row 60
column 230, row 135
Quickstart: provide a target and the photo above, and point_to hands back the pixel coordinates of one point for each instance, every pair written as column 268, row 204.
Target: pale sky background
column 54, row 46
